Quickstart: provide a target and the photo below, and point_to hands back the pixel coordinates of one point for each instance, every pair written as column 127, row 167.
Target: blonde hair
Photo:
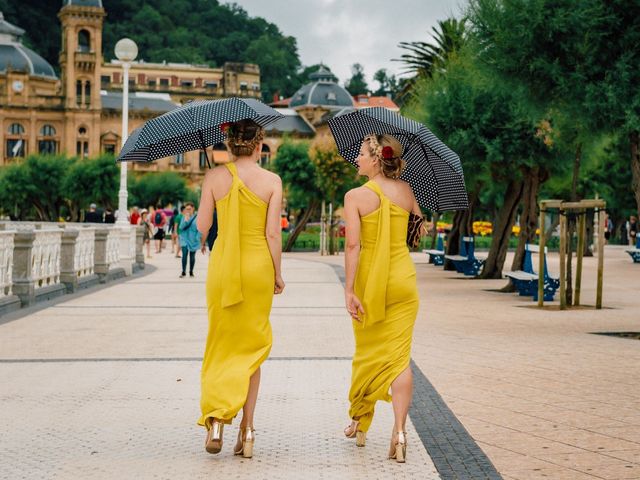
column 243, row 137
column 391, row 167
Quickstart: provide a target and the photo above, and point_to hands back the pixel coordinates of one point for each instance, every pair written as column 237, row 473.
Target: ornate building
column 79, row 113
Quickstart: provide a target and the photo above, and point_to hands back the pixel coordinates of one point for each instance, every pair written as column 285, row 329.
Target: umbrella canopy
column 432, row 169
column 193, row 126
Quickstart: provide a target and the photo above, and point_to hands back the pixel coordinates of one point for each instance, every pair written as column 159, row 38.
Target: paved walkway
column 106, row 384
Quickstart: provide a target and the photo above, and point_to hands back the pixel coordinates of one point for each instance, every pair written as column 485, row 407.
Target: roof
column 323, row 91
column 16, row 57
column 83, row 3
column 365, row 101
column 292, row 122
column 152, row 102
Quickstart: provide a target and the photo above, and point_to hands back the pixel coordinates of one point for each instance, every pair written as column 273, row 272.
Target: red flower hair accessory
column 387, row 153
column 224, row 127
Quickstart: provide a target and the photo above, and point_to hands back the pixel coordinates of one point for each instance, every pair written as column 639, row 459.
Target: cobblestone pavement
column 106, row 385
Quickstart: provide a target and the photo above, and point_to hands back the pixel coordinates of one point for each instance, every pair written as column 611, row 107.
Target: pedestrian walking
column 380, row 292
column 244, row 273
column 174, row 230
column 159, row 220
column 148, row 230
column 190, row 239
column 109, row 217
column 134, row 216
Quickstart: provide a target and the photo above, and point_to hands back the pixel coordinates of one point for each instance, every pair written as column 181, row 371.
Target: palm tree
column 424, row 58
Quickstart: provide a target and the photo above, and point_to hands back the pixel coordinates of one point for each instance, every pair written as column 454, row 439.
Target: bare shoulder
column 214, row 172
column 406, row 188
column 358, row 193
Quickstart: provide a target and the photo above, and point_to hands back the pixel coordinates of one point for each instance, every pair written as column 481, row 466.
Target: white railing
column 84, row 255
column 113, row 247
column 45, row 262
column 6, row 262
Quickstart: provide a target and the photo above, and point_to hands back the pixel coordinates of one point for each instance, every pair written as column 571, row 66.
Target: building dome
column 322, row 91
column 16, row 57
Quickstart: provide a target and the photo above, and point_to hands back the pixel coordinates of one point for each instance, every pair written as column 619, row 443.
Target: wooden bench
column 466, row 262
column 635, row 252
column 437, row 255
column 526, row 280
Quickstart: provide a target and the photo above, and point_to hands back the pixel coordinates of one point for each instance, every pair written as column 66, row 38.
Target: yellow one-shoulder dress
column 385, row 283
column 239, row 287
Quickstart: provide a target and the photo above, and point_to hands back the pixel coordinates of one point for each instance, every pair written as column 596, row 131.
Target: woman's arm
column 207, row 204
column 351, row 254
column 274, row 233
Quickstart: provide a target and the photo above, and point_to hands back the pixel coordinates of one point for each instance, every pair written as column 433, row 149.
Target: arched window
column 47, row 142
column 48, row 131
column 82, row 144
column 16, row 144
column 265, row 154
column 16, row 129
column 84, row 41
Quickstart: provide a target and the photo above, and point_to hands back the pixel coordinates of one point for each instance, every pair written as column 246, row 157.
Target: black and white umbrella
column 432, row 169
column 193, row 126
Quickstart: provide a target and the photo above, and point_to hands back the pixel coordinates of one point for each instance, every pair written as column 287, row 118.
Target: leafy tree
column 387, row 84
column 157, row 189
column 94, row 180
column 357, row 84
column 299, row 177
column 14, row 197
column 334, row 178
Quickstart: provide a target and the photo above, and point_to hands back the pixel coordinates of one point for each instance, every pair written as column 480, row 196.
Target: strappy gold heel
column 352, row 432
column 398, row 450
column 213, row 442
column 244, row 445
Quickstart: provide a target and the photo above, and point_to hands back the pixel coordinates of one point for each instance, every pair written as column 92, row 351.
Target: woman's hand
column 354, row 306
column 279, row 286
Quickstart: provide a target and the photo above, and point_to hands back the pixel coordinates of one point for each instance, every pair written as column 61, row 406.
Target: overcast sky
column 342, row 32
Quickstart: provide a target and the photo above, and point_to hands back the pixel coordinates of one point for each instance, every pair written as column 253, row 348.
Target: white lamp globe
column 126, row 50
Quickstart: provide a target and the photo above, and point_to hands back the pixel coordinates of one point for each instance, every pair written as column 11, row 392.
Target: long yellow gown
column 385, row 283
column 239, row 288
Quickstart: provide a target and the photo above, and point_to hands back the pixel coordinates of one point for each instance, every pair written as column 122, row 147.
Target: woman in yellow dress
column 380, row 291
column 244, row 273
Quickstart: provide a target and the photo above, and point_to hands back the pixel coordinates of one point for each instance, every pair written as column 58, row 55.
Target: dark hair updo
column 243, row 137
column 391, row 162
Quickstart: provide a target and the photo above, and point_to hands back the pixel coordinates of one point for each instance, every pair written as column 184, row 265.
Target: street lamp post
column 126, row 51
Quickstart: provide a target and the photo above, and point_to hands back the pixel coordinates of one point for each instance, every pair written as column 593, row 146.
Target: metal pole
column 123, row 194
column 581, row 235
column 601, row 226
column 541, row 272
column 563, row 266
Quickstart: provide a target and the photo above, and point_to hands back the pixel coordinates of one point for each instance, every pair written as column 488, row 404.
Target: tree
column 157, row 189
column 334, row 178
column 357, row 84
column 14, row 196
column 299, row 177
column 387, row 84
column 94, row 180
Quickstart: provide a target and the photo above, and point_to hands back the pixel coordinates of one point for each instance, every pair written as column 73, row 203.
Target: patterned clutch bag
column 414, row 230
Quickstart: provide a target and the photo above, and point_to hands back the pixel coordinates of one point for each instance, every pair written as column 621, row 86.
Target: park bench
column 466, row 262
column 526, row 280
column 635, row 252
column 437, row 254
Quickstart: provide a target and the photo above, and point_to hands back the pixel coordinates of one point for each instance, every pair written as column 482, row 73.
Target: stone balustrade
column 42, row 260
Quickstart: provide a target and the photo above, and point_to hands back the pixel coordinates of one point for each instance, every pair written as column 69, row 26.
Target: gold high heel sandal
column 352, row 431
column 244, row 445
column 398, row 450
column 213, row 442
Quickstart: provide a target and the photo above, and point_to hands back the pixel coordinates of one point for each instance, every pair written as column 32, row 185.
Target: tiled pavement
column 106, row 385
column 538, row 394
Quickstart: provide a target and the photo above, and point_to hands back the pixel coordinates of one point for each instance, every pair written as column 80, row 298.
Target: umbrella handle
column 204, row 148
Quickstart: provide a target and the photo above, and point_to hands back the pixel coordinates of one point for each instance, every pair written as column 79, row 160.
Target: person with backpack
column 159, row 220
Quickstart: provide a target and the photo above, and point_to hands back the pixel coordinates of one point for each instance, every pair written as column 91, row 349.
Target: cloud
column 341, row 33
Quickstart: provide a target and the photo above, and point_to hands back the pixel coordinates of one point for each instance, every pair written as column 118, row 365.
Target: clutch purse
column 415, row 228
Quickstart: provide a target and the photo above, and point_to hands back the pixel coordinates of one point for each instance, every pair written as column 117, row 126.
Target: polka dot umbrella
column 432, row 169
column 193, row 126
